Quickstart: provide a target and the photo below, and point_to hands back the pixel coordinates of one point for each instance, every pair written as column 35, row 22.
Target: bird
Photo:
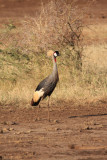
column 47, row 85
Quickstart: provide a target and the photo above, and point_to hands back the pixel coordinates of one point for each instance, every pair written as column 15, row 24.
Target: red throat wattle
column 55, row 59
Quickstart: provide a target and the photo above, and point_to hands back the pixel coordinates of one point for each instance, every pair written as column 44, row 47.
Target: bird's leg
column 48, row 109
column 37, row 117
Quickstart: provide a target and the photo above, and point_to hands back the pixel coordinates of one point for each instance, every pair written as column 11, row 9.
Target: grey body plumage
column 46, row 86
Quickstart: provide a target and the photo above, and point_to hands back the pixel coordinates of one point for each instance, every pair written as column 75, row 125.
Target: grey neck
column 55, row 70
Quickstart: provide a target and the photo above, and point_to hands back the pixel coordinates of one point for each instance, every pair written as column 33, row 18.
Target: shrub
column 57, row 26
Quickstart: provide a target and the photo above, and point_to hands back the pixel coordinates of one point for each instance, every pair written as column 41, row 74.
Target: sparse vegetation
column 23, row 60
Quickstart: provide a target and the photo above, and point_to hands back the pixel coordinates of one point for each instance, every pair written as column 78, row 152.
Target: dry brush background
column 58, row 26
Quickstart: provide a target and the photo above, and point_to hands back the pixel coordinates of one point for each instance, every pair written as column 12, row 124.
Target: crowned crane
column 47, row 86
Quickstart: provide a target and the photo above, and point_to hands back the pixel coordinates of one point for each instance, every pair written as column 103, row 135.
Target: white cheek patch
column 55, row 54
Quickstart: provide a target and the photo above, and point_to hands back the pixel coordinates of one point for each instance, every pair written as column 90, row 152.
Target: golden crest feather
column 50, row 53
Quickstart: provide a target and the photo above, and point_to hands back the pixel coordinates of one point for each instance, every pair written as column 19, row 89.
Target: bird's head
column 53, row 54
column 56, row 53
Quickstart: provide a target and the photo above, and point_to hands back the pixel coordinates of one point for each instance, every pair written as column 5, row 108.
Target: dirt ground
column 75, row 132
column 16, row 9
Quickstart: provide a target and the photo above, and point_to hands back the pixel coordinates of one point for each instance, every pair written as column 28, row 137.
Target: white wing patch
column 38, row 94
column 41, row 92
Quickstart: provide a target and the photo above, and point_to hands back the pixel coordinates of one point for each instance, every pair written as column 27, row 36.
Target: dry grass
column 89, row 85
column 95, row 56
column 95, row 33
column 23, row 60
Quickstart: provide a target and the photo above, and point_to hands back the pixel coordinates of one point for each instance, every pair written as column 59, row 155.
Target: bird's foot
column 37, row 119
column 49, row 120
